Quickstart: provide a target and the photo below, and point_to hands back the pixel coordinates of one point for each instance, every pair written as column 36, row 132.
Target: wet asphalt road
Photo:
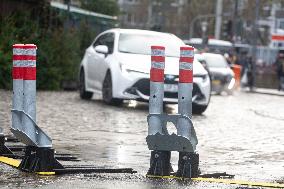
column 240, row 134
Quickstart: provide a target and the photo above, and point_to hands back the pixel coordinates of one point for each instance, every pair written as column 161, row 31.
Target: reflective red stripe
column 17, row 72
column 158, row 58
column 158, row 47
column 185, row 76
column 186, row 59
column 24, row 57
column 189, row 48
column 157, row 75
column 29, row 73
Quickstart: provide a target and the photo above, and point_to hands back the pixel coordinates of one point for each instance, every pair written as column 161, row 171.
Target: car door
column 94, row 60
column 103, row 66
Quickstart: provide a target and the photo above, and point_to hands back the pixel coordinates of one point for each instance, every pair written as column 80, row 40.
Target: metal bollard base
column 39, row 160
column 188, row 165
column 4, row 150
column 160, row 164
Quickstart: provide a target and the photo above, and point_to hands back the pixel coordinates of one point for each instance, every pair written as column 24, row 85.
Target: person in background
column 280, row 70
column 242, row 61
column 250, row 77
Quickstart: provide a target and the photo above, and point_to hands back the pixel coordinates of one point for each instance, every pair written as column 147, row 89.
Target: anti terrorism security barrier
column 24, row 125
column 159, row 140
column 39, row 155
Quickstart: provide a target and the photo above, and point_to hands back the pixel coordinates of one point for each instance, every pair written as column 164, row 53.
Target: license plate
column 216, row 82
column 171, row 88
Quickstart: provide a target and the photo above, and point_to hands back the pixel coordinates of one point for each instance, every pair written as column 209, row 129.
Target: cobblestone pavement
column 240, row 134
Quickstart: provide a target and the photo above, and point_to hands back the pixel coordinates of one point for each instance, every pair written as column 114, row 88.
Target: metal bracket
column 173, row 142
column 41, row 140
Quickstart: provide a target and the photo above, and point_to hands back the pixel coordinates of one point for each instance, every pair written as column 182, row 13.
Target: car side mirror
column 103, row 49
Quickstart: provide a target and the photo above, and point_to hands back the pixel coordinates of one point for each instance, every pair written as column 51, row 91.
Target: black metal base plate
column 160, row 163
column 39, row 160
column 90, row 169
column 3, row 148
column 188, row 165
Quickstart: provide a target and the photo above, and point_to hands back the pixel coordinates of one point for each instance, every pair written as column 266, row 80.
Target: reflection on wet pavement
column 240, row 134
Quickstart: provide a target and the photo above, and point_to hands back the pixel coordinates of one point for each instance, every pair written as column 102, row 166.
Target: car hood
column 221, row 71
column 142, row 63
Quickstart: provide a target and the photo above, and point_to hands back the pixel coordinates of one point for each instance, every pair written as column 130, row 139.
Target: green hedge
column 59, row 49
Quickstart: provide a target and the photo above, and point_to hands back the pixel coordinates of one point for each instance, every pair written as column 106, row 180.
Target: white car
column 117, row 65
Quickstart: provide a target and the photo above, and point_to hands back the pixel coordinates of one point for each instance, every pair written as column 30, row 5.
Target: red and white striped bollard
column 185, row 88
column 156, row 88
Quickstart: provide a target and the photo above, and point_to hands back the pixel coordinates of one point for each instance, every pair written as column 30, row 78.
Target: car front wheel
column 107, row 92
column 82, row 87
column 198, row 109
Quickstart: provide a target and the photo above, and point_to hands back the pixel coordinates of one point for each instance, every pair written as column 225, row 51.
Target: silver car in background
column 222, row 76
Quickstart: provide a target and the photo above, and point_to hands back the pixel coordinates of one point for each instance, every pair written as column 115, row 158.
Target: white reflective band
column 157, row 52
column 30, row 52
column 186, row 53
column 18, row 63
column 29, row 63
column 18, row 51
column 158, row 65
column 185, row 66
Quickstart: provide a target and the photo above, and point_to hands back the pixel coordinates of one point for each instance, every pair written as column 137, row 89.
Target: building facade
column 158, row 15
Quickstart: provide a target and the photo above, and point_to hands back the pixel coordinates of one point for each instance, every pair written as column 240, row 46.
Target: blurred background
column 63, row 29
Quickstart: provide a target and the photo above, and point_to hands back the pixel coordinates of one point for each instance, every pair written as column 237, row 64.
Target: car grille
column 143, row 85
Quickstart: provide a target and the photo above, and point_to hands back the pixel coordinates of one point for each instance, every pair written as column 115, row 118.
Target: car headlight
column 124, row 69
column 231, row 84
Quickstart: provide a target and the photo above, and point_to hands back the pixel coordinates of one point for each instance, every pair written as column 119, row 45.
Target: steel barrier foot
column 160, row 164
column 39, row 159
column 188, row 165
column 3, row 148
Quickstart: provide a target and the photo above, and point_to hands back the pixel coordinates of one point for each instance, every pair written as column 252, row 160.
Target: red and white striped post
column 156, row 88
column 29, row 80
column 17, row 75
column 185, row 87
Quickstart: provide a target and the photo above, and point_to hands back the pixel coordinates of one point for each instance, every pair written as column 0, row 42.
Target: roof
column 80, row 11
column 215, row 42
column 138, row 31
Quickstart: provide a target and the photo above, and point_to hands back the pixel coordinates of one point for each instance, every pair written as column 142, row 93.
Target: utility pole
column 218, row 18
column 235, row 18
column 254, row 42
column 150, row 14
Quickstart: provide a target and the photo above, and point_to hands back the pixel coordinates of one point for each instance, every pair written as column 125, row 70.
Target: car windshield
column 141, row 43
column 216, row 61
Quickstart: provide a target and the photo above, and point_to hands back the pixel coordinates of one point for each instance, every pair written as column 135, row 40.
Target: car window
column 106, row 39
column 216, row 61
column 141, row 43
